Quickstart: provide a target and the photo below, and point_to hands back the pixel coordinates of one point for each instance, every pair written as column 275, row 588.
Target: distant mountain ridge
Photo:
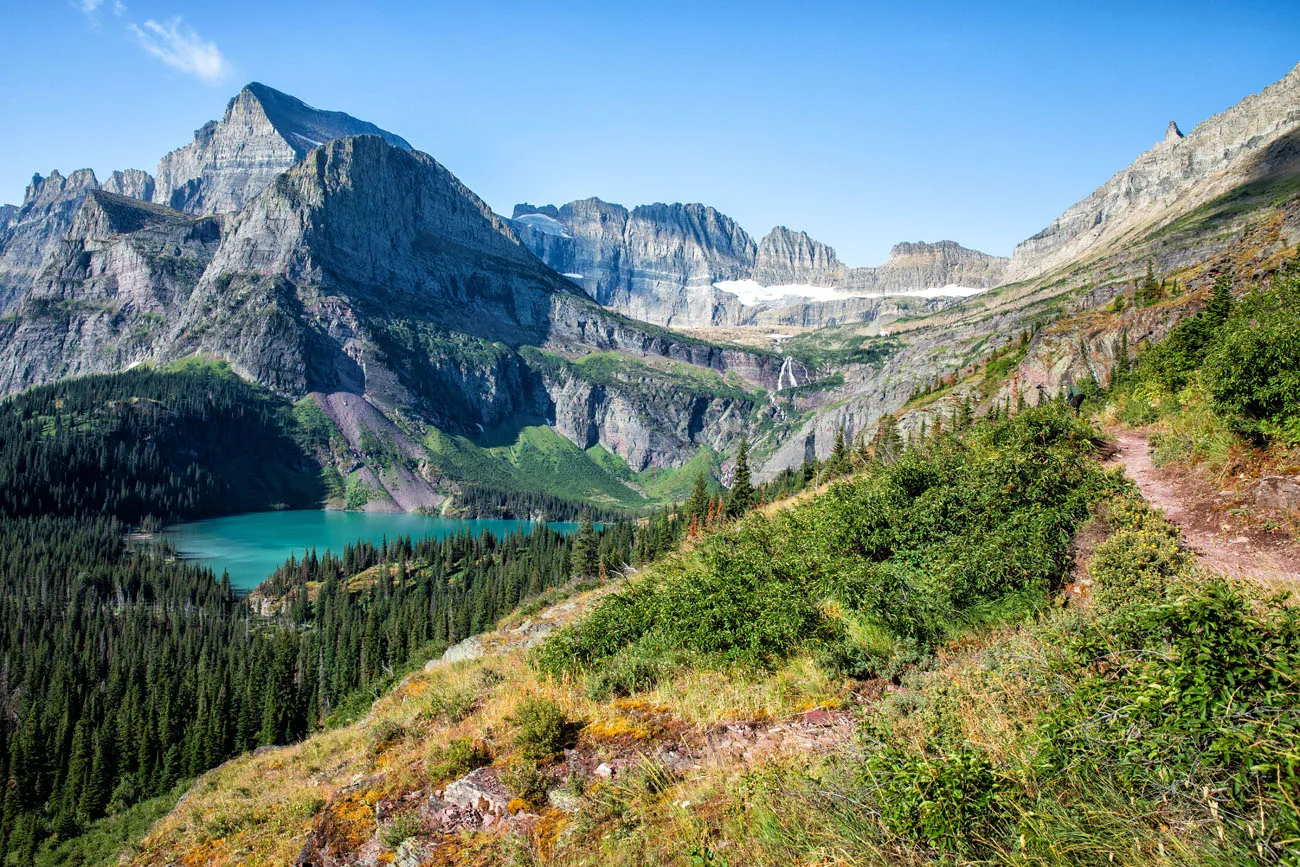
column 363, row 276
column 660, row 263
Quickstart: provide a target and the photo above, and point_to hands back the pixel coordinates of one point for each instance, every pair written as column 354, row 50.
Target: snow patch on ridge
column 544, row 224
column 752, row 293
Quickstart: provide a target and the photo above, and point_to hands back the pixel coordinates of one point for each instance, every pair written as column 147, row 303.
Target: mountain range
column 693, row 266
column 326, row 259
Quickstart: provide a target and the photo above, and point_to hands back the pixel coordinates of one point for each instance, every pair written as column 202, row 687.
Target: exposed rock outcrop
column 30, row 231
column 45, row 216
column 133, row 182
column 104, row 301
column 1244, row 143
column 660, row 263
column 262, row 134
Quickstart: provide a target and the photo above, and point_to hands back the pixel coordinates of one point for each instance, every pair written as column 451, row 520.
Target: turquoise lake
column 252, row 546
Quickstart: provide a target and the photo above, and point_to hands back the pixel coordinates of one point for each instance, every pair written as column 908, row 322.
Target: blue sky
column 864, row 124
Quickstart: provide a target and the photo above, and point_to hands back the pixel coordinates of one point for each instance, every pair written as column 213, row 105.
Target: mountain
column 262, row 133
column 693, row 266
column 1255, row 141
column 368, row 278
column 32, row 228
column 441, row 341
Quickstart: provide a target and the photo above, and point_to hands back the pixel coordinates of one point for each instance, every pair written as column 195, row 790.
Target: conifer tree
column 840, row 462
column 586, row 556
column 1219, row 306
column 887, row 444
column 697, row 507
column 742, row 489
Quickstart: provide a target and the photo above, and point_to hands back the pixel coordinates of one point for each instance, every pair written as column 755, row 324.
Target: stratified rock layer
column 660, row 262
column 1251, row 140
column 262, row 134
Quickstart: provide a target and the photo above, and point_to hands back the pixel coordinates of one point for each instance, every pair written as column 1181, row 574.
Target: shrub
column 952, row 801
column 1253, row 370
column 394, row 832
column 542, row 730
column 450, row 704
column 1141, row 556
column 1193, row 692
column 382, row 735
column 456, row 760
column 910, row 549
column 527, row 779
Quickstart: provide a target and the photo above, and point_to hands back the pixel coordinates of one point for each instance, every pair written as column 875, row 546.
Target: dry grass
column 259, row 809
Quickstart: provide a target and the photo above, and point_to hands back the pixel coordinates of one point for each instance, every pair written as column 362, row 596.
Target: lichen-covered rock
column 480, row 790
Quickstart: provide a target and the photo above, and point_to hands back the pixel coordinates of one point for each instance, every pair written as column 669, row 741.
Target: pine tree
column 1120, row 370
column 697, row 507
column 586, row 555
column 840, row 463
column 742, row 489
column 887, row 444
column 1219, row 306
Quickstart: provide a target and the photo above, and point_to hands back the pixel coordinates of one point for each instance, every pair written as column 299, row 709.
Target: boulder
column 1278, row 492
column 480, row 790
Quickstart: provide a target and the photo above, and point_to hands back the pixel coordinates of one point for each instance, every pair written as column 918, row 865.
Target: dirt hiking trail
column 1224, row 543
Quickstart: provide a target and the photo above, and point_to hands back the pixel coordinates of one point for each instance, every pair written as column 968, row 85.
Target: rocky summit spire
column 1173, row 133
column 262, row 134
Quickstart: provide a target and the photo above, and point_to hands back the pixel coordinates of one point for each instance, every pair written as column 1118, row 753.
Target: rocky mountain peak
column 786, row 257
column 43, row 191
column 133, row 182
column 36, row 226
column 524, row 209
column 262, row 133
column 303, row 126
column 1236, row 146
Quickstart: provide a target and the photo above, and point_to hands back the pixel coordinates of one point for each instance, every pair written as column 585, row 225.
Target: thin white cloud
column 119, row 8
column 90, row 7
column 181, row 48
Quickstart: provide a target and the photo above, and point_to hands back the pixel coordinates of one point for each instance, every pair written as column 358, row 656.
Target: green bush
column 460, row 757
column 394, row 832
column 541, row 729
column 1252, row 372
column 1182, row 684
column 527, row 780
column 451, row 704
column 913, row 551
column 1141, row 556
column 954, row 801
column 382, row 735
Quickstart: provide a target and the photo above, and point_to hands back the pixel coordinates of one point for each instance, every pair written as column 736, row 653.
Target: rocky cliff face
column 660, row 263
column 133, row 183
column 919, row 264
column 786, row 257
column 262, row 134
column 1244, row 143
column 109, row 290
column 30, row 231
column 38, row 224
